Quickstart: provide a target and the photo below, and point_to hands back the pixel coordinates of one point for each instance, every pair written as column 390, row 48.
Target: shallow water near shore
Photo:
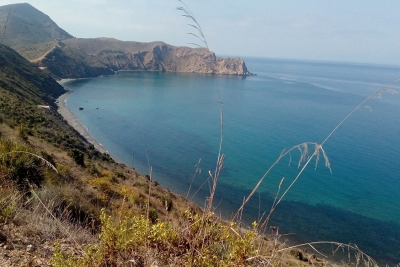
column 175, row 120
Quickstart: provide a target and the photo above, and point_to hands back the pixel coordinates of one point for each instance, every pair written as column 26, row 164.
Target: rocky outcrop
column 90, row 57
column 66, row 62
column 37, row 38
column 24, row 80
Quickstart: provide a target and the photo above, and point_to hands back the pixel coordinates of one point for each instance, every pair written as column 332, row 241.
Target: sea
column 172, row 124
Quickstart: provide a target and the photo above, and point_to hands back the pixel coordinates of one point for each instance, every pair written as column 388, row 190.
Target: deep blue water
column 176, row 119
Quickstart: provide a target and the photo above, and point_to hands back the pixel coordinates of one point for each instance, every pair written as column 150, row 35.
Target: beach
column 67, row 114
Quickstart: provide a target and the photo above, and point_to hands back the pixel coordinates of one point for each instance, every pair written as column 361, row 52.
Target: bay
column 171, row 120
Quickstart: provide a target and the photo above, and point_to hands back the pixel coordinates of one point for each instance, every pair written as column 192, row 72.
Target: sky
column 364, row 31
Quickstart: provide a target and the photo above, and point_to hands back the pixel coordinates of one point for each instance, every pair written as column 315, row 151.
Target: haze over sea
column 174, row 118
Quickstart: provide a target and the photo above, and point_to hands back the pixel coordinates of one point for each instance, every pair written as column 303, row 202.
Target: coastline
column 73, row 121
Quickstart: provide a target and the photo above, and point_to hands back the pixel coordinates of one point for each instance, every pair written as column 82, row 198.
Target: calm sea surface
column 176, row 119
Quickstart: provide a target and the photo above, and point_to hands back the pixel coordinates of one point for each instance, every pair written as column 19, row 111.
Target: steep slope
column 67, row 62
column 22, row 78
column 36, row 37
column 28, row 103
column 29, row 31
column 53, row 184
column 102, row 53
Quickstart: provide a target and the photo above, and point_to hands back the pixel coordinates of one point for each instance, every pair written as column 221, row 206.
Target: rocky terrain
column 36, row 37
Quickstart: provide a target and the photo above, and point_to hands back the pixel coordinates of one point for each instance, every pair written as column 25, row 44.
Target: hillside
column 67, row 62
column 32, row 83
column 120, row 55
column 36, row 37
column 29, row 31
column 62, row 203
column 28, row 102
column 53, row 184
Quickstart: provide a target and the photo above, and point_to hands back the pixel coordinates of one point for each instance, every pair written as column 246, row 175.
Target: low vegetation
column 62, row 203
column 105, row 214
column 108, row 220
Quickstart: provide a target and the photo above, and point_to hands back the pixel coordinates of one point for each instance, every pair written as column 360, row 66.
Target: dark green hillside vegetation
column 29, row 31
column 27, row 103
column 57, row 194
column 62, row 203
column 24, row 78
column 53, row 184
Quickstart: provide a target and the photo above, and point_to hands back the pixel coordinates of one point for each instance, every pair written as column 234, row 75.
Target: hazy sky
column 338, row 30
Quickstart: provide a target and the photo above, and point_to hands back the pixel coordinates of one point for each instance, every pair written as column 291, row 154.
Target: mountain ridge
column 27, row 27
column 39, row 39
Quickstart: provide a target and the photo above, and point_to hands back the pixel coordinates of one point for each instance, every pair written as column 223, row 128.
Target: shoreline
column 73, row 121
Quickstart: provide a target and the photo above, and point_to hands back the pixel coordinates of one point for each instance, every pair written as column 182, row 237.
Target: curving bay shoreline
column 72, row 120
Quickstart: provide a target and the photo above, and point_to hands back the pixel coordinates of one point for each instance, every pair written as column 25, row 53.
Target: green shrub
column 7, row 208
column 153, row 215
column 23, row 133
column 77, row 155
column 203, row 241
column 20, row 165
column 93, row 170
column 122, row 241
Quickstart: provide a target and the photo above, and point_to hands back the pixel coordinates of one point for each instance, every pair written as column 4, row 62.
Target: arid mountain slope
column 119, row 55
column 29, row 31
column 36, row 37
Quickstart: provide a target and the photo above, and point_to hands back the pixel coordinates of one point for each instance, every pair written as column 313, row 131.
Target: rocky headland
column 40, row 40
column 80, row 57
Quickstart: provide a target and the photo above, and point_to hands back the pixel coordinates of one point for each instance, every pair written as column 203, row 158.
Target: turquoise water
column 175, row 119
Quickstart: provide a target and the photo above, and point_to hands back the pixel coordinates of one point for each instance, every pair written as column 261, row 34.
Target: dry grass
column 139, row 223
column 67, row 205
column 354, row 254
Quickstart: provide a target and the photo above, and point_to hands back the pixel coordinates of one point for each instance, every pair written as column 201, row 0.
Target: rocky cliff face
column 92, row 57
column 185, row 59
column 23, row 80
column 37, row 38
column 66, row 62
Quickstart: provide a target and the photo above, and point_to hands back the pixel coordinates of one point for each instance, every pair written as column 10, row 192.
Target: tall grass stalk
column 47, row 163
column 305, row 158
column 197, row 171
column 304, row 161
column 351, row 249
column 199, row 35
column 57, row 221
column 213, row 176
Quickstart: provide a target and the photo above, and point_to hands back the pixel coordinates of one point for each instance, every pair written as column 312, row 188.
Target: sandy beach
column 74, row 122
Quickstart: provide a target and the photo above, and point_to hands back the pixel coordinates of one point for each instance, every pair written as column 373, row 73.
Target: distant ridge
column 22, row 79
column 39, row 39
column 29, row 29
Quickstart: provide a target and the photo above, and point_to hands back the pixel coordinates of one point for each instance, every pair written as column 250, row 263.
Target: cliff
column 24, row 80
column 39, row 39
column 112, row 54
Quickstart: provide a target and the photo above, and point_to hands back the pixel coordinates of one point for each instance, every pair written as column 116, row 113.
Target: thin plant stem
column 318, row 149
column 198, row 170
column 48, row 164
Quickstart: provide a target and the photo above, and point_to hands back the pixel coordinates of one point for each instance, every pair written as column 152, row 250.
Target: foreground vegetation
column 54, row 211
column 62, row 203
